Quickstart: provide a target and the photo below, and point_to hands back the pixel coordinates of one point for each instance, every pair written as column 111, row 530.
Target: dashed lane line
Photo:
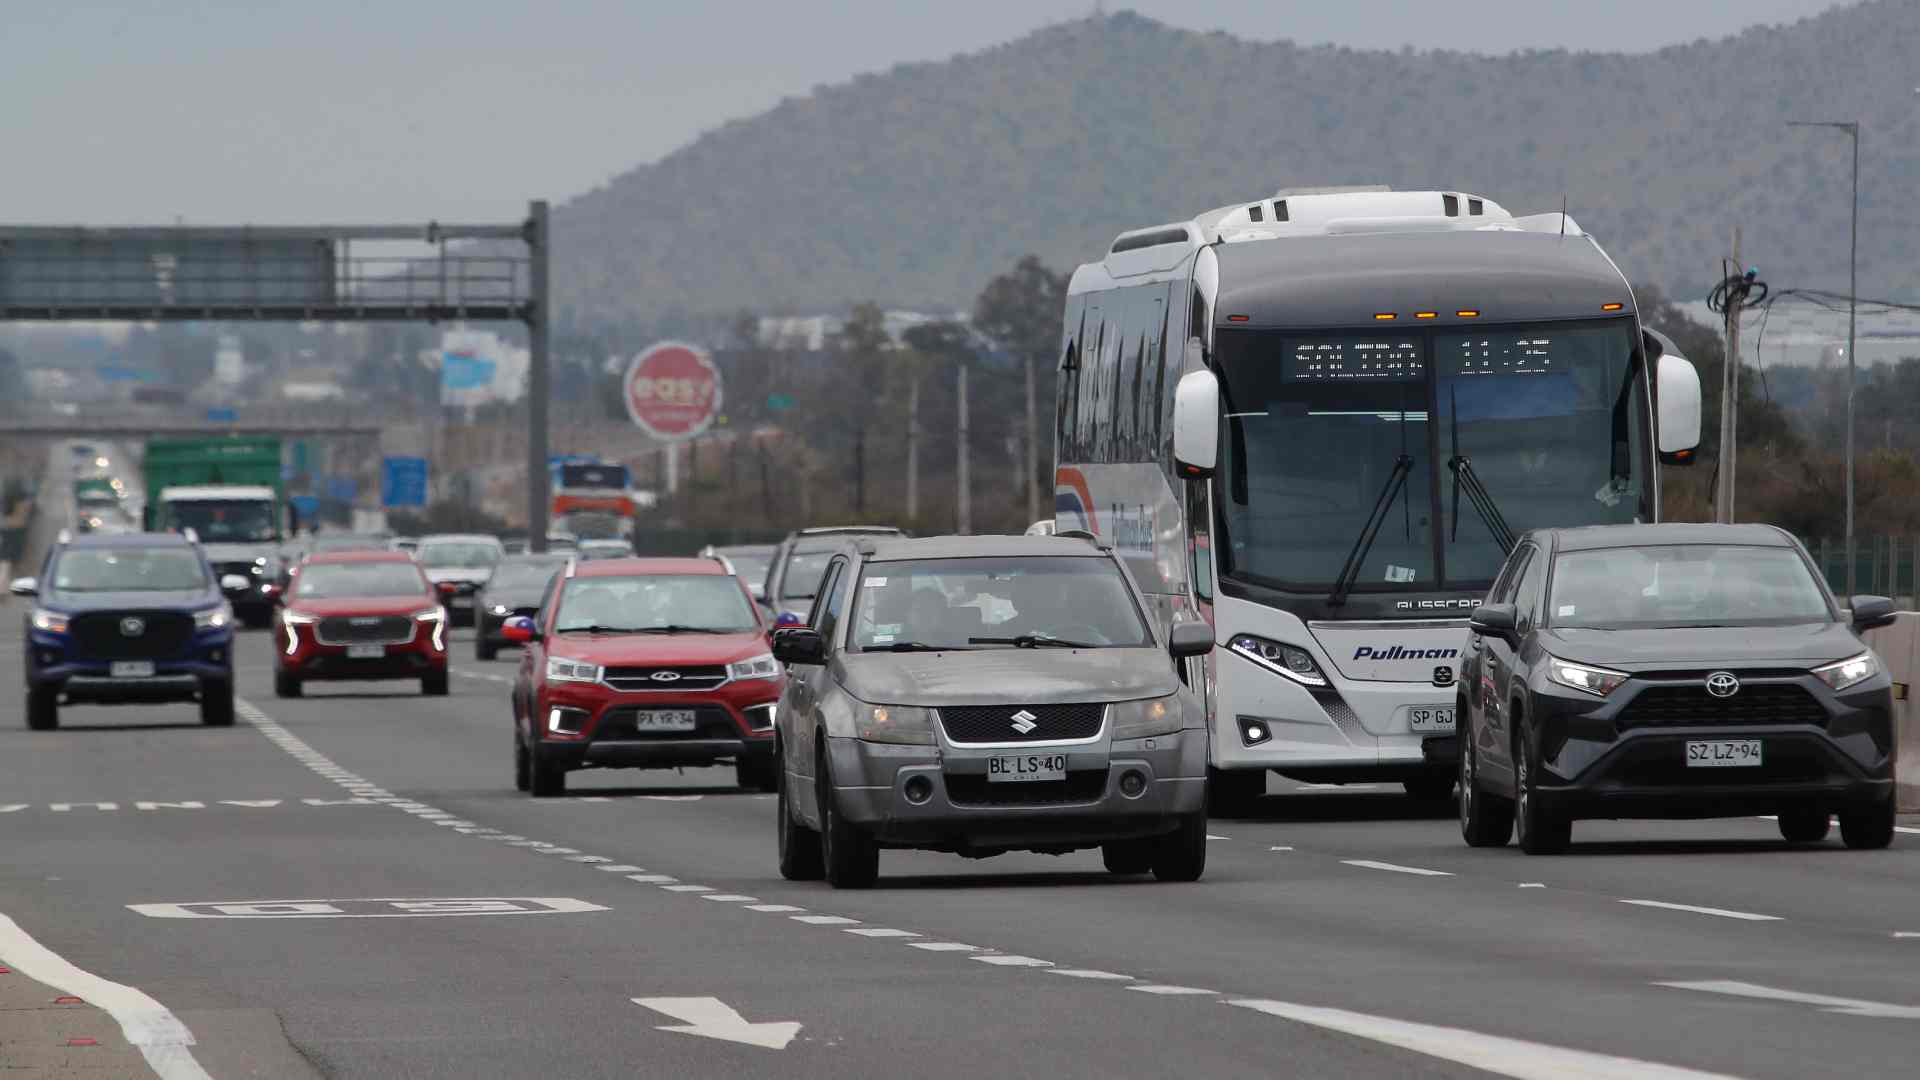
column 879, row 932
column 1369, row 864
column 1723, row 913
column 825, row 920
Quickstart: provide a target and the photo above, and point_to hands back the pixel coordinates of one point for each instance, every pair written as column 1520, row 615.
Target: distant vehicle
column 749, row 563
column 361, row 615
column 793, row 574
column 458, row 564
column 591, row 550
column 229, row 491
column 333, row 542
column 126, row 620
column 1043, row 527
column 646, row 664
column 1672, row 671
column 593, row 498
column 562, row 541
column 408, row 544
column 986, row 694
column 1371, row 393
column 516, row 587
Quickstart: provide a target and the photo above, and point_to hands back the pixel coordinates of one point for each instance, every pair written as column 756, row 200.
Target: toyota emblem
column 1722, row 684
column 665, row 676
column 132, row 627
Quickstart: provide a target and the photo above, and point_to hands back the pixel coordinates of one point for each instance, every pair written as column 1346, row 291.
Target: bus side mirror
column 1196, row 425
column 1679, row 416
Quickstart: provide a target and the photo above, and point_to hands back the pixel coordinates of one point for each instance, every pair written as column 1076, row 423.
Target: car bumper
column 170, row 682
column 335, row 665
column 657, row 753
column 1350, row 731
column 1645, row 775
column 611, row 738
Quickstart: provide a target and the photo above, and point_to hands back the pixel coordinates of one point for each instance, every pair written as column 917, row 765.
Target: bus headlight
column 1289, row 660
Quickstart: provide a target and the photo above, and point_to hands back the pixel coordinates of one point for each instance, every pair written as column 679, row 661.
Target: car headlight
column 1139, row 719
column 903, row 725
column 559, row 670
column 53, row 622
column 755, row 667
column 1849, row 672
column 1289, row 660
column 1592, row 680
column 214, row 618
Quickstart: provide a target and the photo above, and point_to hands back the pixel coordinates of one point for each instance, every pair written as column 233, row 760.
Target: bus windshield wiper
column 1357, row 556
column 1034, row 641
column 1464, row 478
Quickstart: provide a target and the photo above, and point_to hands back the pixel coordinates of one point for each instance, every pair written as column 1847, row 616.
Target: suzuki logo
column 665, row 676
column 1722, row 684
column 1023, row 721
column 132, row 627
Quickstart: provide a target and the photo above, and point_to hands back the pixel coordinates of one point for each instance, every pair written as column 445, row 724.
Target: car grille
column 710, row 722
column 364, row 630
column 996, row 723
column 1763, row 703
column 163, row 634
column 683, row 679
column 1083, row 786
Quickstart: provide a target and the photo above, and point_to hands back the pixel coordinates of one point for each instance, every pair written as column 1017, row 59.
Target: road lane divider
column 1823, row 1002
column 1723, row 913
column 1396, row 868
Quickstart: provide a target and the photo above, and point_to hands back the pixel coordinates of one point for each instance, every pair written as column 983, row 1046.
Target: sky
column 360, row 111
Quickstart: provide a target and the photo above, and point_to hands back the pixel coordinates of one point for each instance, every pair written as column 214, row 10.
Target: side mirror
column 1492, row 620
column 799, row 645
column 24, row 586
column 517, row 628
column 234, row 583
column 1196, row 424
column 1678, row 395
column 1190, row 639
column 1872, row 611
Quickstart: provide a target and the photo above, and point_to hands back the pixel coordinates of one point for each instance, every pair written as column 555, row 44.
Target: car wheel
column 1868, row 830
column 755, row 774
column 522, row 766
column 434, row 685
column 800, row 847
column 43, row 708
column 1127, row 856
column 1181, row 855
column 1805, row 826
column 849, row 858
column 1486, row 819
column 1540, row 833
column 1429, row 788
column 1231, row 792
column 285, row 685
column 216, row 703
column 547, row 779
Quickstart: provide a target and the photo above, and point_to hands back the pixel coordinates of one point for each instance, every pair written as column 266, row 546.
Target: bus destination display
column 1490, row 354
column 1354, row 360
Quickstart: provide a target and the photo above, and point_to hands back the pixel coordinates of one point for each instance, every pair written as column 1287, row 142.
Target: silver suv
column 985, row 694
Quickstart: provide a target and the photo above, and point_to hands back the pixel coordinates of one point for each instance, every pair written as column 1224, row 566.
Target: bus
column 1319, row 421
column 593, row 499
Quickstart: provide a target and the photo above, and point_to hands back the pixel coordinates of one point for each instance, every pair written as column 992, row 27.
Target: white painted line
column 825, row 920
column 588, row 859
column 622, row 869
column 652, row 879
column 593, row 798
column 687, row 888
column 1090, row 973
column 1279, row 848
column 879, row 932
column 1369, row 864
column 159, row 1036
column 1210, row 836
column 1003, row 960
column 1532, row 885
column 777, row 909
column 1906, row 933
column 943, row 946
column 1492, row 1053
column 1169, row 991
column 715, row 1019
column 1846, row 1006
column 388, row 907
column 1905, row 829
column 729, row 898
column 1721, row 912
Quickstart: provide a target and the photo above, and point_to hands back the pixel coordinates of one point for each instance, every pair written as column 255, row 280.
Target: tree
column 1020, row 312
column 862, row 345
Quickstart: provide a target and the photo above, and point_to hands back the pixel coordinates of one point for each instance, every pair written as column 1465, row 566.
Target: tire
column 285, row 685
column 1128, row 856
column 43, row 708
column 1231, row 793
column 1181, row 855
column 799, row 846
column 1429, row 788
column 546, row 779
column 1486, row 819
column 849, row 858
column 1539, row 832
column 484, row 649
column 216, row 703
column 755, row 774
column 522, row 766
column 1870, row 829
column 1805, row 826
column 434, row 685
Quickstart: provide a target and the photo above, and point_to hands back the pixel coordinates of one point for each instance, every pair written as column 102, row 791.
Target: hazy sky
column 233, row 111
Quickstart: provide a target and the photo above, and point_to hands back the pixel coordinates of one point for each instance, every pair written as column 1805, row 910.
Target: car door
column 1493, row 739
column 533, row 657
column 1528, row 598
column 800, row 714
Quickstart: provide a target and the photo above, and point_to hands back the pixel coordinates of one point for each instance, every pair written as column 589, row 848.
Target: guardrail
column 1898, row 646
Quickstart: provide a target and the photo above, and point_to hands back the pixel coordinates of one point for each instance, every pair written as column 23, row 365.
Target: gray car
column 985, row 694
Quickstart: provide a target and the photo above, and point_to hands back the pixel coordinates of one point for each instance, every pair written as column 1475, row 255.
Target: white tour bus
column 1319, row 421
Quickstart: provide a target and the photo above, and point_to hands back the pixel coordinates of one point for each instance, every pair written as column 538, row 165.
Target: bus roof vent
column 1153, row 237
column 1348, row 210
column 1157, row 248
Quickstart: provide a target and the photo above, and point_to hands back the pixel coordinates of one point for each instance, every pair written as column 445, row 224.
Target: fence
column 1883, row 566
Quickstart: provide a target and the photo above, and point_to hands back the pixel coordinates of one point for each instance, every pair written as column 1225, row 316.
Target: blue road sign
column 222, row 416
column 403, row 481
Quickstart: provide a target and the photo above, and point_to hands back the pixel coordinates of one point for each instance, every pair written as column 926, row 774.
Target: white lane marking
column 1169, row 991
column 1090, row 973
column 1532, row 885
column 715, row 1019
column 1369, row 864
column 159, row 1035
column 825, row 920
column 1847, row 1006
column 1905, row 829
column 1906, row 933
column 1210, row 836
column 1721, row 912
column 588, row 859
column 1492, row 1053
column 687, row 888
column 943, row 946
column 1279, row 848
column 652, row 879
column 622, row 869
column 879, row 932
column 1005, row 960
column 385, row 907
column 729, row 898
column 778, row 909
column 674, row 798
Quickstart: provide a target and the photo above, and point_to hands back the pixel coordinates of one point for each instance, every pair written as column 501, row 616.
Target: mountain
column 913, row 187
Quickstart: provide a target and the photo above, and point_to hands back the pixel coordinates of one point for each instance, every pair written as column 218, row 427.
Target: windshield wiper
column 1034, row 641
column 1357, row 555
column 596, row 628
column 913, row 646
column 1464, row 478
column 677, row 628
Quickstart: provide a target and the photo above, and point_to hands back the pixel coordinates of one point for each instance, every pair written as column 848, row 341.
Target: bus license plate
column 1723, row 753
column 1027, row 767
column 663, row 720
column 366, row 652
column 1422, row 718
column 131, row 669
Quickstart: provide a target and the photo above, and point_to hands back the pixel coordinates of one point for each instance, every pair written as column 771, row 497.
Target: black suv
column 124, row 619
column 1671, row 671
column 516, row 587
column 793, row 574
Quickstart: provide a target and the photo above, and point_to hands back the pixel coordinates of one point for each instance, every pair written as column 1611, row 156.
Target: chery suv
column 643, row 664
column 360, row 615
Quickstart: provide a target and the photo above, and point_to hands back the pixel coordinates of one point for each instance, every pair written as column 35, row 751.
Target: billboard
column 150, row 267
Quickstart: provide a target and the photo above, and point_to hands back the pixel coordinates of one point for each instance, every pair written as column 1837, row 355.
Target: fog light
column 1254, row 732
column 563, row 721
column 1132, row 783
column 919, row 789
column 216, row 656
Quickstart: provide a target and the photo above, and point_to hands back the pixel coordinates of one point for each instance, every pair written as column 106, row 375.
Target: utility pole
column 913, row 445
column 1729, row 402
column 964, row 519
column 1033, row 463
column 539, row 335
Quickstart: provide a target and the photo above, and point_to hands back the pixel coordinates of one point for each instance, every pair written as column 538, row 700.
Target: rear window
column 132, row 569
column 804, row 571
column 514, row 574
column 997, row 602
column 332, row 581
column 1684, row 585
column 465, row 555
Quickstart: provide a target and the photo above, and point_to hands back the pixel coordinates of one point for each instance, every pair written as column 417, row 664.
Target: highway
column 348, row 885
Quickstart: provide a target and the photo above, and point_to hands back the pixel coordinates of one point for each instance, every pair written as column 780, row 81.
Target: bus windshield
column 1450, row 442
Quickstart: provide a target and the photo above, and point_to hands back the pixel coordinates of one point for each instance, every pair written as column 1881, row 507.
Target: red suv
column 360, row 615
column 643, row 664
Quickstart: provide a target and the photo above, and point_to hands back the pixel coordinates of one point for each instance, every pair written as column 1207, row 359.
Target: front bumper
column 1349, row 731
column 609, row 736
column 53, row 664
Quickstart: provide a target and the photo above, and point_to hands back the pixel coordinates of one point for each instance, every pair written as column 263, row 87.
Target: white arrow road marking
column 1848, row 1006
column 1492, row 1053
column 715, row 1019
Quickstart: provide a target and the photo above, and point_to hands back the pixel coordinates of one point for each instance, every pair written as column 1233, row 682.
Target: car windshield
column 605, row 549
column 1010, row 602
column 224, row 520
column 525, row 573
column 804, row 571
column 332, row 581
column 132, row 569
column 1684, row 585
column 458, row 555
column 655, row 603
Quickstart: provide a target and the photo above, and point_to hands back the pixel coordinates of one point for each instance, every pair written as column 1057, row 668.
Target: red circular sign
column 672, row 390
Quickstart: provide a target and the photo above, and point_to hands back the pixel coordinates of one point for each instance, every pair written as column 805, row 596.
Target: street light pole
column 1852, row 128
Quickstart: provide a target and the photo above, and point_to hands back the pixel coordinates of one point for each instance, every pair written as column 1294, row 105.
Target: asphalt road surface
column 348, row 885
